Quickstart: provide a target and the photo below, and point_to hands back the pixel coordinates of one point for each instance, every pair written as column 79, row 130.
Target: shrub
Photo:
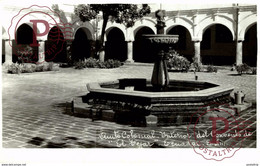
column 94, row 63
column 211, row 69
column 32, row 68
column 39, row 68
column 254, row 70
column 28, row 68
column 45, row 67
column 91, row 62
column 79, row 65
column 243, row 68
column 25, row 53
column 50, row 66
column 16, row 68
column 177, row 61
column 101, row 65
column 110, row 63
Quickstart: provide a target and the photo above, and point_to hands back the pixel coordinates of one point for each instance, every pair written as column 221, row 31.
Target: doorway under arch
column 250, row 46
column 217, row 46
column 116, row 46
column 24, row 37
column 81, row 45
column 142, row 50
column 184, row 46
column 55, row 46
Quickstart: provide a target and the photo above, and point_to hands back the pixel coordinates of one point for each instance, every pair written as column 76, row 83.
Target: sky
column 68, row 6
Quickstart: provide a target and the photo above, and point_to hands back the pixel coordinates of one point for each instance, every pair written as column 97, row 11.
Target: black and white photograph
column 163, row 80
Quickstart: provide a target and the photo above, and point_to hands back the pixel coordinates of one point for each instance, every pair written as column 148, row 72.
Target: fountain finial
column 160, row 14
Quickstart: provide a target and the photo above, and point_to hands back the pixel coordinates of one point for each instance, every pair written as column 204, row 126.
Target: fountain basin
column 172, row 106
column 162, row 38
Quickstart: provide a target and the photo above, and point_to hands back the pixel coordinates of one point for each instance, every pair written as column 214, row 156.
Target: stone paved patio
column 33, row 109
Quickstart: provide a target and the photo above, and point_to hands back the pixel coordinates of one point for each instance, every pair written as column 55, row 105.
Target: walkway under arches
column 23, row 38
column 55, row 39
column 250, row 46
column 217, row 46
column 81, row 45
column 116, row 47
column 142, row 51
column 184, row 46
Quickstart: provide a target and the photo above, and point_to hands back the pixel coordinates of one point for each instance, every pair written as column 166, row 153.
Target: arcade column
column 8, row 52
column 197, row 50
column 41, row 51
column 129, row 52
column 239, row 52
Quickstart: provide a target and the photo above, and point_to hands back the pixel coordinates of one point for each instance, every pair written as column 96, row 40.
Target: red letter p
column 214, row 128
column 35, row 33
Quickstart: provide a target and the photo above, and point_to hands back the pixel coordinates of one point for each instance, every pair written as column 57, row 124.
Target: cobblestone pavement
column 33, row 111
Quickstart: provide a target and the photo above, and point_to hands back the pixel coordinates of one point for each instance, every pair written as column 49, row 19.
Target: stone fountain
column 170, row 101
column 160, row 77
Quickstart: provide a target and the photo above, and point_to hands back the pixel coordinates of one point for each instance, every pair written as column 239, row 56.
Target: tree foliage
column 60, row 13
column 127, row 14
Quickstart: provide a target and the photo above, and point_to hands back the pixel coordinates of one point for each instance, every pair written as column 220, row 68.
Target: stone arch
column 209, row 21
column 142, row 50
column 87, row 31
column 111, row 25
column 77, row 24
column 17, row 22
column 144, row 23
column 245, row 24
column 170, row 23
column 28, row 27
column 116, row 46
column 37, row 15
column 81, row 45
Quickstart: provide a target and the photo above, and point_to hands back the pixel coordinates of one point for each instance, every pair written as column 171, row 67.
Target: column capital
column 196, row 39
column 240, row 40
column 41, row 40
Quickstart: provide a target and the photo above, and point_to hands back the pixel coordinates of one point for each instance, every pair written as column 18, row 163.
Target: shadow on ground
column 236, row 74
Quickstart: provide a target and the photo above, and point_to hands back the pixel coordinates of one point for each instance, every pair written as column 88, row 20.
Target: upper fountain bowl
column 162, row 38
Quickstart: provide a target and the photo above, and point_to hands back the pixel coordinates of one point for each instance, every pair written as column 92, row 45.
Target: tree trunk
column 102, row 43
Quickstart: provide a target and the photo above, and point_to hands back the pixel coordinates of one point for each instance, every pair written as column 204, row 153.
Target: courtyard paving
column 33, row 110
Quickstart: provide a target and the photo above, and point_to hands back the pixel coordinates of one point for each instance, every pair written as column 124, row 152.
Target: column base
column 102, row 56
column 129, row 61
column 7, row 63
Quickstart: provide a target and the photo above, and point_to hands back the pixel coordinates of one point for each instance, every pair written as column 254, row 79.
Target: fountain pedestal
column 160, row 77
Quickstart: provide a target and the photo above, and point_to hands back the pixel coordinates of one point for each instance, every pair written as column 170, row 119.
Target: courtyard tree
column 126, row 14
